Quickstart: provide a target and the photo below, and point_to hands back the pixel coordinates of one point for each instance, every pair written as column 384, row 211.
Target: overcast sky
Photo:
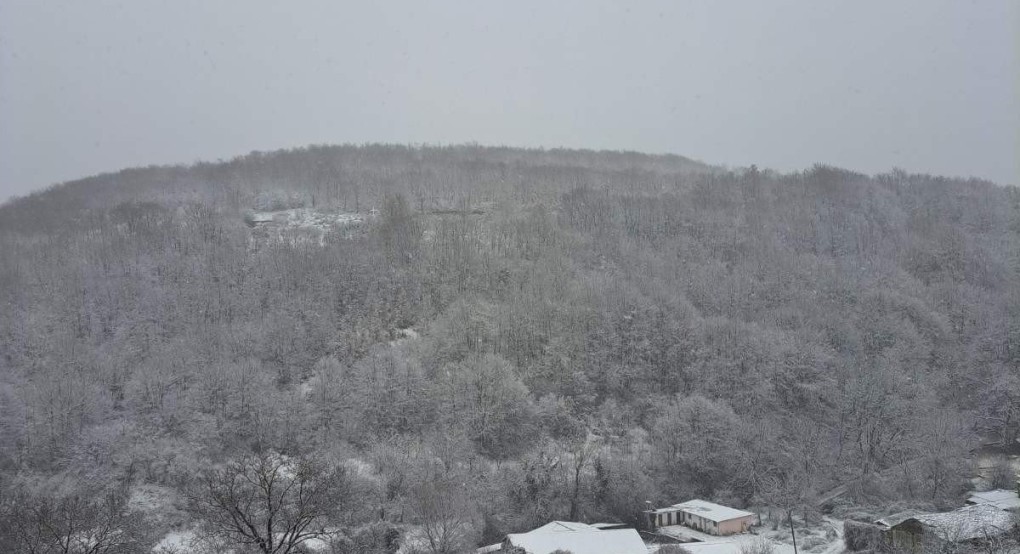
column 926, row 85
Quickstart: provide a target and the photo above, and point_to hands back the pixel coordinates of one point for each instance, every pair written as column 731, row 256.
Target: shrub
column 760, row 545
column 1002, row 475
column 812, row 543
column 673, row 549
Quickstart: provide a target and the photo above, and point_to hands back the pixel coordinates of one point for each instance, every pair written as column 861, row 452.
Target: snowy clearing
column 710, row 544
column 305, row 218
column 404, row 335
column 176, row 541
column 822, row 539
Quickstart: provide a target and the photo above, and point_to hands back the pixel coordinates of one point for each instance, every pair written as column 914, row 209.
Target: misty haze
column 510, row 278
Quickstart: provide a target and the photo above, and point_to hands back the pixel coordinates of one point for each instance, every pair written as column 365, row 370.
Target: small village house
column 571, row 537
column 975, row 524
column 704, row 516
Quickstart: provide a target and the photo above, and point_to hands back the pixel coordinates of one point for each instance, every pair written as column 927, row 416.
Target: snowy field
column 814, row 541
column 301, row 225
column 306, row 218
column 176, row 541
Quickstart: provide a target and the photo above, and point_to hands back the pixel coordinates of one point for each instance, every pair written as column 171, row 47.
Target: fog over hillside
column 493, row 338
column 927, row 85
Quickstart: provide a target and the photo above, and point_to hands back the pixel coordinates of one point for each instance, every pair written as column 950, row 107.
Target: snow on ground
column 300, row 225
column 176, row 541
column 814, row 541
column 686, row 533
column 836, row 546
column 183, row 541
column 307, row 387
column 306, row 218
column 823, row 538
column 316, row 545
column 322, row 544
column 362, row 469
column 414, row 540
column 404, row 335
column 150, row 498
column 1000, row 498
column 711, row 544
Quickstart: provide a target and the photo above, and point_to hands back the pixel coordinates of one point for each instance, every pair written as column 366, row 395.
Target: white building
column 704, row 516
column 573, row 537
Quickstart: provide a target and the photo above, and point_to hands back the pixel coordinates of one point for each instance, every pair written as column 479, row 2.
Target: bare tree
column 583, row 451
column 445, row 517
column 945, row 443
column 78, row 522
column 270, row 502
column 787, row 492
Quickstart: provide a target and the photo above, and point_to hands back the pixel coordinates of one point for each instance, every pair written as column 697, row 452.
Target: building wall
column 694, row 521
column 509, row 548
column 734, row 526
column 908, row 536
column 699, row 523
column 663, row 519
column 728, row 527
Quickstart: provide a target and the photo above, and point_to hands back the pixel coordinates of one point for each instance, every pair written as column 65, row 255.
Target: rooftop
column 594, row 541
column 999, row 498
column 896, row 519
column 562, row 526
column 969, row 522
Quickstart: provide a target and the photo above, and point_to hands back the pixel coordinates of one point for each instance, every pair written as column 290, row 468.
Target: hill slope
column 566, row 333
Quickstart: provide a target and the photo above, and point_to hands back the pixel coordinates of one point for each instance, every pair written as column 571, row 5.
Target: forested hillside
column 500, row 337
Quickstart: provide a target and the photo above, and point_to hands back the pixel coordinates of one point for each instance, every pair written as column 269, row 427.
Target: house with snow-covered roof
column 571, row 537
column 562, row 527
column 613, row 541
column 704, row 516
column 970, row 524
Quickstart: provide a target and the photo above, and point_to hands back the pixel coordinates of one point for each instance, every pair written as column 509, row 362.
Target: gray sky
column 926, row 85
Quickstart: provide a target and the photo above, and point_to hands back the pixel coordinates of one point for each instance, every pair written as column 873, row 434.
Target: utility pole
column 789, row 516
